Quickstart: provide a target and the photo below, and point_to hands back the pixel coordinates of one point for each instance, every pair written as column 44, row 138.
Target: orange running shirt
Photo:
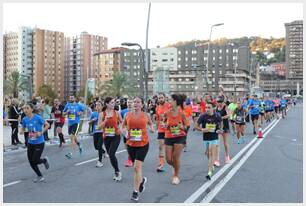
column 173, row 123
column 137, row 129
column 161, row 111
column 111, row 125
column 188, row 113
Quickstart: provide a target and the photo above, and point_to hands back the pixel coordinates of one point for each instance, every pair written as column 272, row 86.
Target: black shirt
column 205, row 121
column 14, row 112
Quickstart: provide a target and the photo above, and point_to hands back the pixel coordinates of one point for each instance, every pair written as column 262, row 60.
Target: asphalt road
column 272, row 173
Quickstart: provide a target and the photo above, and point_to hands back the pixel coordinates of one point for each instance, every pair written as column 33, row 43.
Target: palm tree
column 45, row 91
column 15, row 83
column 116, row 87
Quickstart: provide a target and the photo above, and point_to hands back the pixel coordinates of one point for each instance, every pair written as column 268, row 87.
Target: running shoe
column 135, row 196
column 68, row 155
column 227, row 159
column 175, row 180
column 239, row 141
column 160, row 168
column 99, row 164
column 254, row 132
column 142, row 185
column 117, row 177
column 185, row 149
column 217, row 163
column 39, row 179
column 208, row 176
column 128, row 163
column 46, row 163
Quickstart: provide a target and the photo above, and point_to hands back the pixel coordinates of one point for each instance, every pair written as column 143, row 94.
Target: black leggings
column 14, row 126
column 34, row 154
column 111, row 145
column 98, row 143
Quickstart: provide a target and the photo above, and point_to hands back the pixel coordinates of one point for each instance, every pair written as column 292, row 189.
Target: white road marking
column 207, row 184
column 94, row 159
column 12, row 183
column 223, row 182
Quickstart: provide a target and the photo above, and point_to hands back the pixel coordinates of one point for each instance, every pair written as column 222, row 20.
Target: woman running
column 240, row 114
column 224, row 113
column 175, row 135
column 109, row 123
column 36, row 126
column 97, row 134
column 137, row 143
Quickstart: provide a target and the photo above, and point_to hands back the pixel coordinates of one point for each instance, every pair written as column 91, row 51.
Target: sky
column 169, row 22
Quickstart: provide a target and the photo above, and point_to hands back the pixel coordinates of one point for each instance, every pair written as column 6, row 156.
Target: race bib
column 136, row 135
column 32, row 135
column 175, row 130
column 58, row 120
column 239, row 119
column 193, row 114
column 211, row 127
column 110, row 131
column 72, row 116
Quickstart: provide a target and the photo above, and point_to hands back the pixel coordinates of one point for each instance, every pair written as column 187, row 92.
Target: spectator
column 14, row 114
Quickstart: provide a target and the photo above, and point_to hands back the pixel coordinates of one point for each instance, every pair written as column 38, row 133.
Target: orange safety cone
column 260, row 135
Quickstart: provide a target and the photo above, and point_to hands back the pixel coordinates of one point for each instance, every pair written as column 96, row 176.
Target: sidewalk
column 53, row 140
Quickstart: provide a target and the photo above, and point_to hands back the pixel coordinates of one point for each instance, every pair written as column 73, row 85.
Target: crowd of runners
column 131, row 120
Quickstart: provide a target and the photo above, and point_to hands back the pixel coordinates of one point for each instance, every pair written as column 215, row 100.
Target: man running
column 161, row 110
column 74, row 112
column 209, row 124
column 254, row 111
column 283, row 105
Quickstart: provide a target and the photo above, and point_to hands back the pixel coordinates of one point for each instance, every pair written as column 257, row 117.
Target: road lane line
column 207, row 184
column 233, row 171
column 94, row 159
column 12, row 183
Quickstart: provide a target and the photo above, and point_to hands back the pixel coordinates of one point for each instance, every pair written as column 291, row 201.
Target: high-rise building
column 10, row 53
column 79, row 60
column 294, row 53
column 132, row 65
column 18, row 51
column 108, row 62
column 48, row 60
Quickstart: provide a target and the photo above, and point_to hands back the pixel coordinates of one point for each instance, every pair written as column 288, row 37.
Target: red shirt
column 203, row 106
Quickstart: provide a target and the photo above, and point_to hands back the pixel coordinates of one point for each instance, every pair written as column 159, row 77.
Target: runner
column 74, row 111
column 262, row 110
column 137, row 143
column 97, row 134
column 254, row 111
column 130, row 103
column 188, row 112
column 195, row 111
column 240, row 114
column 283, row 105
column 57, row 113
column 161, row 110
column 276, row 107
column 224, row 113
column 209, row 124
column 34, row 124
column 175, row 135
column 109, row 123
column 231, row 108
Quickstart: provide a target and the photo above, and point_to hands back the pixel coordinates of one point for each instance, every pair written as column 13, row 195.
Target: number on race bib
column 109, row 131
column 211, row 127
column 136, row 135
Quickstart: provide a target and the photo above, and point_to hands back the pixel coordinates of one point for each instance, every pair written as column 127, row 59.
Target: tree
column 15, row 84
column 45, row 91
column 81, row 93
column 116, row 87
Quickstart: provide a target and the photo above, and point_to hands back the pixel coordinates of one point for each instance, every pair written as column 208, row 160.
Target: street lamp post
column 145, row 73
column 208, row 54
